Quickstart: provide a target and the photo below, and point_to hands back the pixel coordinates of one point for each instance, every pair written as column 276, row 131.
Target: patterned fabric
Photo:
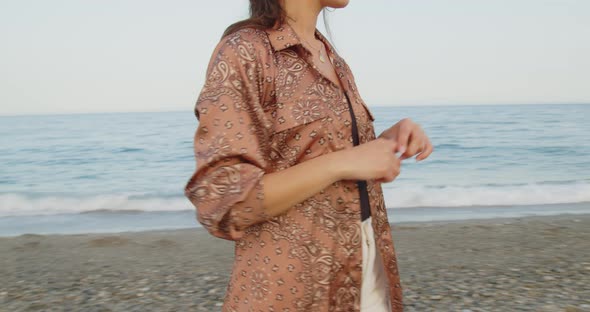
column 264, row 108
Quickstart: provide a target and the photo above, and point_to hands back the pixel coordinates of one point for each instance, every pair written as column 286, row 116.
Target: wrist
column 337, row 165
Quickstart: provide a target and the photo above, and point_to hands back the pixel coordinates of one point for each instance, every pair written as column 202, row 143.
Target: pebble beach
column 537, row 263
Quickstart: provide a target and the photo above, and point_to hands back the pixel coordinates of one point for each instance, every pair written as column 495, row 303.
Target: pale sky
column 71, row 56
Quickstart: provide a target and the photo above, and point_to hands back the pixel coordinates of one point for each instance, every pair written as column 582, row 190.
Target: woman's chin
column 335, row 4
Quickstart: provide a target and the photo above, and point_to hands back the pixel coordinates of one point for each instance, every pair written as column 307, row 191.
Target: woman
column 289, row 168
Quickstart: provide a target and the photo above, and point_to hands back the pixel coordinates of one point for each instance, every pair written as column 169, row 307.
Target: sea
column 115, row 172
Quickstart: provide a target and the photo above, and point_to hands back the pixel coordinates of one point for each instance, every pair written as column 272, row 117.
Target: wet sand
column 516, row 264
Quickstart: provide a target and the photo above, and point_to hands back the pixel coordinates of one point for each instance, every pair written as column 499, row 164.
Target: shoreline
column 202, row 231
column 109, row 221
column 533, row 263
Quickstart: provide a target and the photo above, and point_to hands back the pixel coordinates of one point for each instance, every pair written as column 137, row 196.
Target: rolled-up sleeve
column 230, row 143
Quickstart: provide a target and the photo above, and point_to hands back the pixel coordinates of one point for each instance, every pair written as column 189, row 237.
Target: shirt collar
column 284, row 36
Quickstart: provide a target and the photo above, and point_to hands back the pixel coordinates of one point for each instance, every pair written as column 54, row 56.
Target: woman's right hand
column 374, row 160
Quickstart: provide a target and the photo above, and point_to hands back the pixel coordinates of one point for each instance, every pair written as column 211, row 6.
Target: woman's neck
column 302, row 15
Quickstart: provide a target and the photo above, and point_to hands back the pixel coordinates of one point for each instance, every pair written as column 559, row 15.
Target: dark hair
column 265, row 14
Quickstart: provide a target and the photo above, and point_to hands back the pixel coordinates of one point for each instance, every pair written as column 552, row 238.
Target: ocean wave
column 486, row 195
column 406, row 196
column 19, row 205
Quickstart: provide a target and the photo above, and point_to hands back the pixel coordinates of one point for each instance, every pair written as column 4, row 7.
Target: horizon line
column 370, row 106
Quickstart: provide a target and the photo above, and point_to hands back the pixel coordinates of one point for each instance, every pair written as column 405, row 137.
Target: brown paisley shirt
column 264, row 108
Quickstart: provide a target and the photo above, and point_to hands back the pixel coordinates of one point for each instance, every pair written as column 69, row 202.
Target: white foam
column 18, row 205
column 396, row 197
column 452, row 196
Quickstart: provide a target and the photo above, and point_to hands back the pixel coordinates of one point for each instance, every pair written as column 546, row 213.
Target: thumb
column 396, row 147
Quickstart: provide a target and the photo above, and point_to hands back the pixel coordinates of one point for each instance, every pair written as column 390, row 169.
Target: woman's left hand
column 410, row 139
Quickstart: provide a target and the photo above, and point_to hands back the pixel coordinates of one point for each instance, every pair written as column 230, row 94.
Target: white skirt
column 374, row 296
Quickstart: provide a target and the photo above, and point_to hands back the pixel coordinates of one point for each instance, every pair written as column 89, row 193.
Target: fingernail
column 402, row 149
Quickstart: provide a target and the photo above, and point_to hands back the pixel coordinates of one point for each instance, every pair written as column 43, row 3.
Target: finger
column 414, row 146
column 392, row 145
column 416, row 142
column 403, row 137
column 427, row 151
